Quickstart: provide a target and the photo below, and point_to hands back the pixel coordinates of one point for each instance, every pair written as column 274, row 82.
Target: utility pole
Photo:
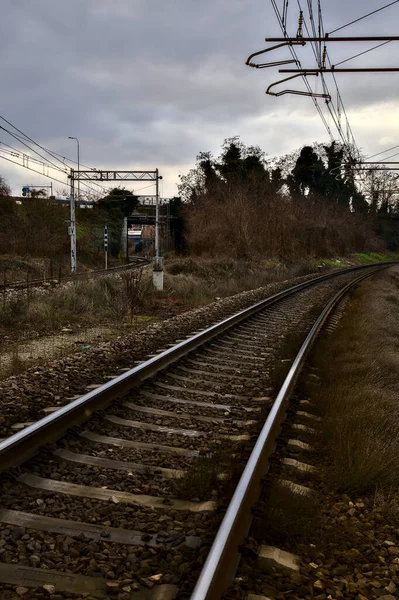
column 157, row 269
column 157, row 249
column 77, row 141
column 72, row 223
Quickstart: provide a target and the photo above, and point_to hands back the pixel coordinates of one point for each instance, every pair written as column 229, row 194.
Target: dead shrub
column 246, row 220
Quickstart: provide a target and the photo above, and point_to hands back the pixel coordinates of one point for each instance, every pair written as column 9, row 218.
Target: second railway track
column 128, row 502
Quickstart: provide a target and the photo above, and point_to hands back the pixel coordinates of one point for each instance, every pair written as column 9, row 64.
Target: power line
column 32, row 149
column 361, row 53
column 360, row 18
column 391, row 156
column 383, row 152
column 145, row 188
column 308, row 86
column 65, row 170
column 51, row 153
column 330, row 105
column 34, row 170
column 334, row 113
column 26, row 137
column 39, row 163
column 340, row 101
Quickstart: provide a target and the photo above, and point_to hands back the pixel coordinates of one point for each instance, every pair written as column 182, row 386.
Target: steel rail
column 16, row 285
column 17, row 448
column 222, row 561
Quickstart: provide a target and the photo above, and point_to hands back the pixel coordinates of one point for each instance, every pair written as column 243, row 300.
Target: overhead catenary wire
column 339, row 96
column 317, row 53
column 361, row 53
column 34, row 170
column 334, row 113
column 382, row 152
column 66, row 168
column 285, row 13
column 48, row 163
column 54, row 166
column 54, row 155
column 13, row 151
column 51, row 153
column 308, row 86
column 27, row 137
column 363, row 17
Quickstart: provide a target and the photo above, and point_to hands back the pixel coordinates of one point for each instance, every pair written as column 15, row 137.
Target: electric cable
column 383, row 152
column 32, row 150
column 339, row 96
column 14, row 151
column 34, row 170
column 330, row 105
column 54, row 155
column 364, row 17
column 361, row 53
column 295, row 56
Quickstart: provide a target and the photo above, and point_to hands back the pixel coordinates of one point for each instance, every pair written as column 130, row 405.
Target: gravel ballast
column 23, row 397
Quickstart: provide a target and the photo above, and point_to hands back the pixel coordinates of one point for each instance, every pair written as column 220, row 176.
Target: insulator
column 300, row 23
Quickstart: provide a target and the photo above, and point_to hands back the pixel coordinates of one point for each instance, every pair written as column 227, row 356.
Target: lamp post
column 77, row 141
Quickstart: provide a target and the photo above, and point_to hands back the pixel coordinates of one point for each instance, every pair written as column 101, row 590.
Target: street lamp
column 77, row 141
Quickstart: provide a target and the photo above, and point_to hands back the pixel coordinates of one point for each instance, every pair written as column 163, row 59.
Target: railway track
column 40, row 282
column 120, row 493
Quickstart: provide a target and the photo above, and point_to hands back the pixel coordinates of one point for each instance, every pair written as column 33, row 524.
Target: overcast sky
column 151, row 83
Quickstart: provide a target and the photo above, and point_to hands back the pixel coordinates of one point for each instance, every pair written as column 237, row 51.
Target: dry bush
column 36, row 228
column 359, row 392
column 198, row 280
column 248, row 220
column 133, row 291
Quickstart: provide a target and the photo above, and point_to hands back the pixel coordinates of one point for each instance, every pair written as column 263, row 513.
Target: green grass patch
column 363, row 258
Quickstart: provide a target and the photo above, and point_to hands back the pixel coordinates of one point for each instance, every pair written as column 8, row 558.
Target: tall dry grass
column 358, row 398
column 85, row 302
column 198, row 280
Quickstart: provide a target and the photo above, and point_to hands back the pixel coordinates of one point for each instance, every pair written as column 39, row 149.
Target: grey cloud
column 151, row 82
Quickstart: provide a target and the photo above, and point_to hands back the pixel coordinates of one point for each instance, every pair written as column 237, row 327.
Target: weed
column 283, row 514
column 206, row 474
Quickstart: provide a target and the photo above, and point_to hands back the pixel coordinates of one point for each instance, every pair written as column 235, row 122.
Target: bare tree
column 5, row 189
column 381, row 190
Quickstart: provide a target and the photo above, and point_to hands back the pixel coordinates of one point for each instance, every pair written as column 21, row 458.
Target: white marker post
column 106, row 246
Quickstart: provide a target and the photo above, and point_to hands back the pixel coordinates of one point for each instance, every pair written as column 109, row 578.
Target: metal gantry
column 117, row 175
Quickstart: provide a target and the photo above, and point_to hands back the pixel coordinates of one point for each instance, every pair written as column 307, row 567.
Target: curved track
column 127, row 503
column 40, row 282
